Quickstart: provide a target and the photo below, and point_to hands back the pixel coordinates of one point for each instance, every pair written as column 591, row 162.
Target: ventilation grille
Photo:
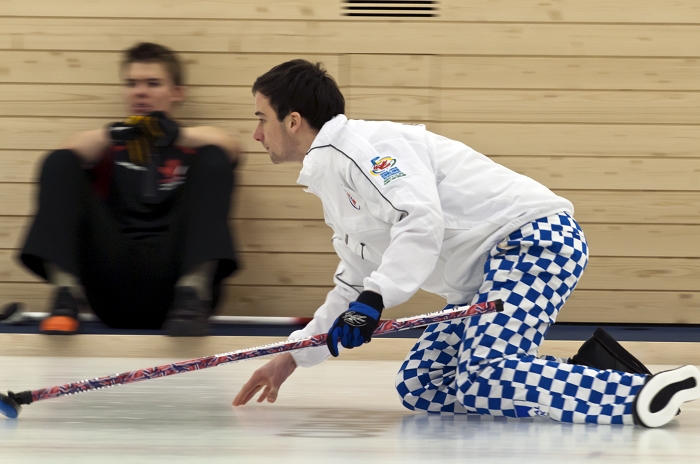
column 391, row 8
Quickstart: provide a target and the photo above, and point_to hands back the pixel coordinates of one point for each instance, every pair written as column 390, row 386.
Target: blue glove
column 354, row 327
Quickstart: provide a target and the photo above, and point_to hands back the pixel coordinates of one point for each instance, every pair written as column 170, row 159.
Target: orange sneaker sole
column 59, row 325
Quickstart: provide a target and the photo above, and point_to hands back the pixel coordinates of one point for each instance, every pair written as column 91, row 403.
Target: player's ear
column 179, row 93
column 294, row 121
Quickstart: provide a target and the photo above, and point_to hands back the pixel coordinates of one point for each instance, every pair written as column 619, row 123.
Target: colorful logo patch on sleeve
column 386, row 169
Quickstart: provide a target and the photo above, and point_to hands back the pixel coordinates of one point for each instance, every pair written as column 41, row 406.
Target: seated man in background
column 136, row 215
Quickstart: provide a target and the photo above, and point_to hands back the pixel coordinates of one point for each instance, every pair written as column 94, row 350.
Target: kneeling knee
column 409, row 387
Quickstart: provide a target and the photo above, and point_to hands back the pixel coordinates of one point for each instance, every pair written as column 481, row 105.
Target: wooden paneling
column 559, row 106
column 641, row 274
column 20, row 165
column 636, row 307
column 597, row 100
column 580, row 73
column 450, row 72
column 680, row 140
column 35, row 295
column 602, row 273
column 591, row 173
column 11, row 271
column 400, row 104
column 664, row 141
column 290, row 236
column 633, row 240
column 643, row 240
column 394, row 70
column 250, row 202
column 17, row 200
column 317, row 269
column 525, row 106
column 283, row 236
column 46, row 133
column 584, row 306
column 209, row 9
column 277, row 203
column 102, row 67
column 624, row 209
column 325, row 37
column 313, row 236
column 257, row 169
column 253, row 202
column 293, row 203
column 105, row 101
column 594, row 11
column 634, row 207
column 66, row 101
column 591, row 206
column 12, row 230
column 559, row 173
column 298, row 269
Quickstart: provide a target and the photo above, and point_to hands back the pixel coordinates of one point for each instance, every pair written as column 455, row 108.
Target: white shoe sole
column 664, row 412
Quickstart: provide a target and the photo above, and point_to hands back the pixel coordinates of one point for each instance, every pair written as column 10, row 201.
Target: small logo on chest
column 353, row 202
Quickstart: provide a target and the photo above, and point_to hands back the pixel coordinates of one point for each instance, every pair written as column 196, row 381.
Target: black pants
column 130, row 283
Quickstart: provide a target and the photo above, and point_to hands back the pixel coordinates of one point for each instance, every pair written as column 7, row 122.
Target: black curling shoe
column 662, row 395
column 188, row 316
column 601, row 351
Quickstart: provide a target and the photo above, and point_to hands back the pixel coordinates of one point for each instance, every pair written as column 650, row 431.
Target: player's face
column 148, row 87
column 275, row 135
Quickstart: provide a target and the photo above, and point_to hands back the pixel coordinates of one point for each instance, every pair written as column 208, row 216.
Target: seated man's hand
column 123, row 132
column 139, row 133
column 159, row 128
column 270, row 377
column 356, row 325
column 155, row 127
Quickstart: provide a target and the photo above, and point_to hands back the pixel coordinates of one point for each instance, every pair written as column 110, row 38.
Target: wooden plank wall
column 597, row 99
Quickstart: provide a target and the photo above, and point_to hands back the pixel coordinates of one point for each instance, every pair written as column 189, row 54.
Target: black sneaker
column 63, row 319
column 660, row 398
column 188, row 317
column 601, row 351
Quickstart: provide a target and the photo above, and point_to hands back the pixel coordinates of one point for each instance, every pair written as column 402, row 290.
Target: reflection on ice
column 340, row 411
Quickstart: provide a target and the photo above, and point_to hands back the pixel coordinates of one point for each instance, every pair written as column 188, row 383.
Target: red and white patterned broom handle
column 384, row 327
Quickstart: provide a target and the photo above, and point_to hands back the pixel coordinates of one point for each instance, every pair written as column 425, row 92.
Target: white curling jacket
column 410, row 209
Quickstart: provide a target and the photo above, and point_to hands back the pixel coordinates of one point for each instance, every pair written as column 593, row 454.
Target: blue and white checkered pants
column 489, row 365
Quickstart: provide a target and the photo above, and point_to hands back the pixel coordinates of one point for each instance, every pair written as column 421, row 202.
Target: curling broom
column 11, row 404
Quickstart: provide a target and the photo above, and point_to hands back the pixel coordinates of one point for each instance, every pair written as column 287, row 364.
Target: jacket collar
column 313, row 167
column 327, row 132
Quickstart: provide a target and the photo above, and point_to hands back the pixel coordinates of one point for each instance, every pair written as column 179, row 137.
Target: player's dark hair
column 304, row 87
column 147, row 52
